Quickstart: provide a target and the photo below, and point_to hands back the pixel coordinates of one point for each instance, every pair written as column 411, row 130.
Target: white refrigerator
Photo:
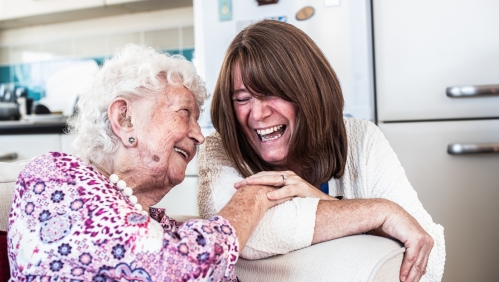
column 437, row 96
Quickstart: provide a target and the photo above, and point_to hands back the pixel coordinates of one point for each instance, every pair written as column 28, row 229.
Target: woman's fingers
column 410, row 257
column 276, row 180
column 283, row 193
column 271, row 178
column 416, row 258
column 291, row 185
column 412, row 266
column 405, row 228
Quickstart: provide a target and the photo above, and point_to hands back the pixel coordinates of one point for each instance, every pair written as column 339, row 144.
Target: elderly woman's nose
column 196, row 135
column 260, row 109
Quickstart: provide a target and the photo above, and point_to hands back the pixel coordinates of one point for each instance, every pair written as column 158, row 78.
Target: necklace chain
column 107, row 174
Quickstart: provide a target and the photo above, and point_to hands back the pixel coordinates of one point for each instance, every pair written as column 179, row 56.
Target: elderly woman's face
column 268, row 124
column 170, row 136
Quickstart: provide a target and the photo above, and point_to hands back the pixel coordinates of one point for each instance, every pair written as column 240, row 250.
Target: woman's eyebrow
column 239, row 90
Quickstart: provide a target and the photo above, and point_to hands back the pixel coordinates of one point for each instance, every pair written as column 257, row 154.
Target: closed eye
column 240, row 101
column 186, row 112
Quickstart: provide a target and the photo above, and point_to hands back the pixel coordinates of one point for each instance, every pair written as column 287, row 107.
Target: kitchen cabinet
column 23, row 13
column 182, row 199
column 424, row 47
column 11, row 9
column 29, row 146
column 428, row 54
column 461, row 192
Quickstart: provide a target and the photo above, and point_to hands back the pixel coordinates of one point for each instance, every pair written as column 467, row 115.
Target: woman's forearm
column 335, row 219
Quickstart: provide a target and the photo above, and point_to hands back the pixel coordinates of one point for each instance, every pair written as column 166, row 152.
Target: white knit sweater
column 372, row 171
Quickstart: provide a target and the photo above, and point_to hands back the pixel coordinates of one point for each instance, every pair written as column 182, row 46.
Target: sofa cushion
column 8, row 177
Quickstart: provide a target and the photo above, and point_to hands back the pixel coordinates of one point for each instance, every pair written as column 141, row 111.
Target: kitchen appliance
column 9, row 103
column 9, row 111
column 437, row 89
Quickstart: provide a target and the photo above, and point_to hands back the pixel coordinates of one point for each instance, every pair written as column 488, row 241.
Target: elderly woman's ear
column 119, row 113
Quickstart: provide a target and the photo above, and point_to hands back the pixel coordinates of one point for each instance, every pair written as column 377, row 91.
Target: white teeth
column 271, row 138
column 268, row 130
column 263, row 132
column 180, row 151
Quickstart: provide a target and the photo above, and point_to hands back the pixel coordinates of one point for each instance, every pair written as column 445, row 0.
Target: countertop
column 38, row 127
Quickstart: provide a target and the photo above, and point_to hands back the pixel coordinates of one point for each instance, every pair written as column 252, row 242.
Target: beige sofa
column 353, row 258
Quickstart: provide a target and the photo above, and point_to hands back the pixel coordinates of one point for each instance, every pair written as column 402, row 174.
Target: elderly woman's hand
column 291, row 185
column 418, row 243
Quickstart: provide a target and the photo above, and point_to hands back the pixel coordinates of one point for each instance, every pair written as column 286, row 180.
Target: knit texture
column 372, row 171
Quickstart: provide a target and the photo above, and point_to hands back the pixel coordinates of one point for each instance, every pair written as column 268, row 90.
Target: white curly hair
column 135, row 72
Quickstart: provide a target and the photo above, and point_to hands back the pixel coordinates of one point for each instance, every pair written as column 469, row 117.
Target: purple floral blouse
column 69, row 223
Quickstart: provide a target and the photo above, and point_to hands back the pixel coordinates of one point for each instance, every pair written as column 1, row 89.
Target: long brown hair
column 278, row 59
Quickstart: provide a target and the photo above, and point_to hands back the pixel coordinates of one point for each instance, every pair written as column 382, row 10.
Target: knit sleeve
column 386, row 179
column 284, row 228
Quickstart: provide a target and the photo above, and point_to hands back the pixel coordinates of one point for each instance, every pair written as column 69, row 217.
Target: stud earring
column 131, row 140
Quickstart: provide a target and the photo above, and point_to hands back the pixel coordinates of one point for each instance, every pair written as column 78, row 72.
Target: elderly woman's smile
column 173, row 123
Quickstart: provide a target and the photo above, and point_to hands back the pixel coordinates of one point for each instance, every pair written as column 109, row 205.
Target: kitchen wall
column 29, row 55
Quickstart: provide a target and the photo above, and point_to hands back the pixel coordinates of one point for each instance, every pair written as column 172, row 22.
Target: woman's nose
column 260, row 110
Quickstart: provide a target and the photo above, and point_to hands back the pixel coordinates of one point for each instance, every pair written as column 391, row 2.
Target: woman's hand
column 336, row 219
column 291, row 185
column 417, row 242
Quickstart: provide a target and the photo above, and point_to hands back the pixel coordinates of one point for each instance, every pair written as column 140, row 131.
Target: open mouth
column 182, row 152
column 271, row 133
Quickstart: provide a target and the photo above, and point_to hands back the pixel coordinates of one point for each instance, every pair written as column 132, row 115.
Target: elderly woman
column 89, row 217
column 277, row 108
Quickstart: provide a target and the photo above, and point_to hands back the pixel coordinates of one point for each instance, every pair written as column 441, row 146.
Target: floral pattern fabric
column 69, row 223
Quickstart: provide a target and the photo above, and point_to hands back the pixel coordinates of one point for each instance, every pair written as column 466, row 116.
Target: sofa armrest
column 353, row 258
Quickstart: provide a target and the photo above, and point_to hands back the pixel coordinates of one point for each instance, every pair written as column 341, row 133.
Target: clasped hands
column 395, row 222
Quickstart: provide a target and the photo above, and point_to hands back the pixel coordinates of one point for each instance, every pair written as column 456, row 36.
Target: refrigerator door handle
column 472, row 91
column 476, row 148
column 8, row 156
